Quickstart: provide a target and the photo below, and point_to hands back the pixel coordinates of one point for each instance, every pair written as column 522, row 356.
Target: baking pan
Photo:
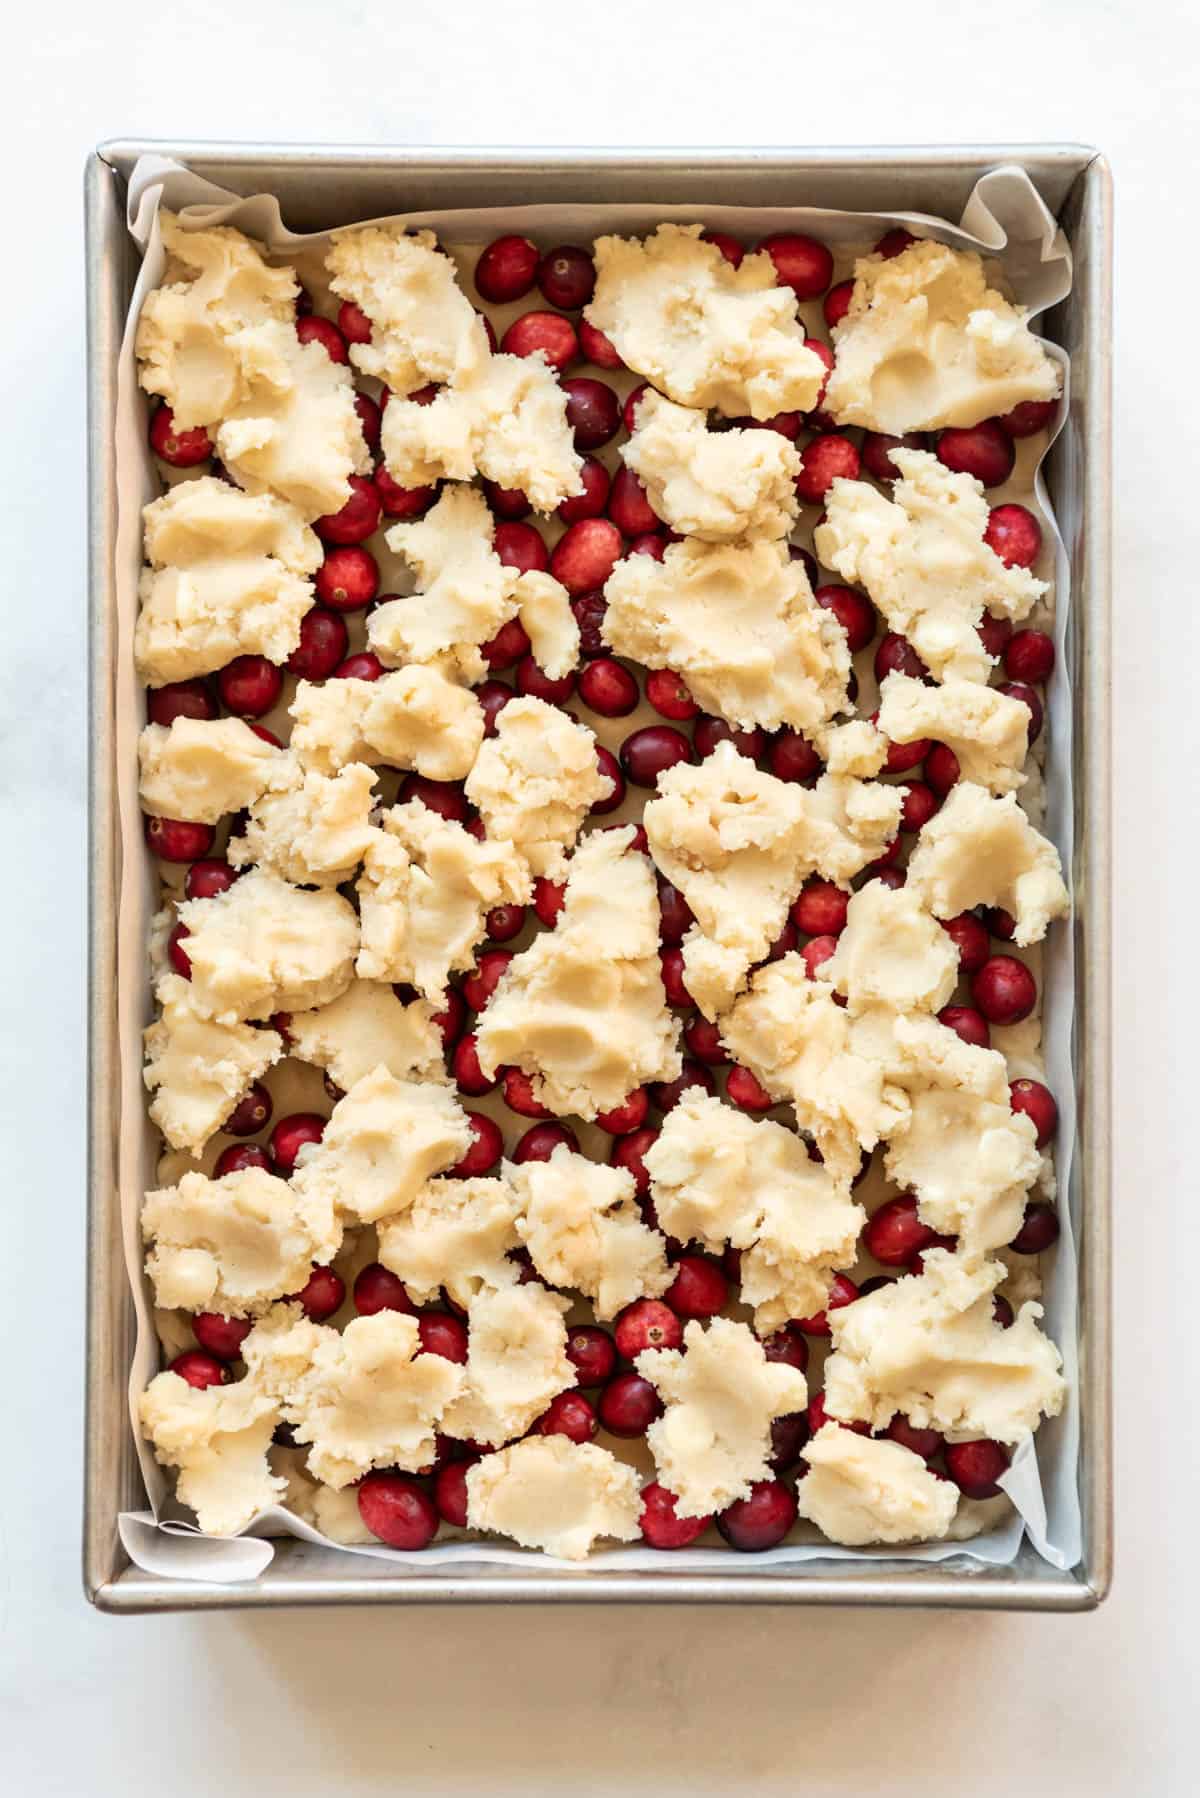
column 318, row 188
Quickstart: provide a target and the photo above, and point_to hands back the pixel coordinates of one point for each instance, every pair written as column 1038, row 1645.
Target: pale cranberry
column 628, row 506
column 178, row 449
column 820, row 908
column 941, row 769
column 1004, row 990
column 239, row 1156
column 486, row 1147
column 1000, row 923
column 730, row 248
column 669, row 696
column 221, row 1336
column 710, row 731
column 592, row 1354
column 649, row 752
column 761, row 1521
column 893, row 242
column 970, row 939
column 788, row 1346
column 660, row 1525
column 853, row 611
column 326, row 333
column 348, row 579
column 357, row 519
column 178, row 839
column 200, row 1370
column 544, row 333
column 444, row 797
column 801, row 263
column 450, row 1492
column 506, row 270
column 181, row 699
column 1035, row 1101
column 377, row 1288
column 629, row 1405
column 646, row 1324
column 252, row 1112
column 596, row 347
column 548, row 896
column 323, row 1293
column 842, row 1291
column 703, row 1040
column 1013, row 534
column 593, row 411
column 984, row 450
column 975, row 1467
column 896, row 655
column 925, row 1443
column 539, row 1143
column 877, row 450
column 535, row 683
column 967, row 1023
column 825, row 459
column 817, row 952
column 671, row 961
column 607, row 687
column 629, row 1152
column 570, row 1415
column 469, row 1077
column 1029, row 656
column 1039, row 1231
column 567, row 277
column 675, row 914
column 205, row 879
column 1029, row 417
column 401, row 502
column 442, row 1335
column 792, row 757
column 629, row 1115
column 894, row 1233
column 586, row 554
column 594, row 498
column 290, row 1135
column 397, row 1510
column 744, row 1091
column 699, row 1288
column 507, row 647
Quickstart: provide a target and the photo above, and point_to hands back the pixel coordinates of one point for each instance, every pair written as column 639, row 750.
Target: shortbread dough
column 385, row 1138
column 716, row 485
column 970, row 1161
column 738, row 621
column 892, row 953
column 535, row 780
column 365, row 1028
column 588, row 1028
column 456, row 1235
column 463, row 590
column 197, row 1069
column 314, row 831
column 858, row 1490
column 855, row 747
column 851, row 823
column 704, row 332
column 984, row 851
column 327, row 720
column 581, row 1224
column 927, row 343
column 264, row 946
column 922, row 558
column 202, row 768
column 929, row 1346
column 722, row 1396
column 516, row 1363
column 987, row 730
column 555, row 1495
column 417, row 718
column 423, row 326
column 218, row 1438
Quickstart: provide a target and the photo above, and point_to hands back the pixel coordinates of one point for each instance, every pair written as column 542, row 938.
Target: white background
column 629, row 1700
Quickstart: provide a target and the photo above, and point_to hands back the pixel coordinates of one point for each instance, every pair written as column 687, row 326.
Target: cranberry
column 205, row 879
column 1033, row 1100
column 994, row 634
column 893, row 242
column 397, row 1510
column 450, row 1492
column 178, row 840
column 353, row 323
column 178, row 449
column 402, row 502
column 1038, row 1232
column 837, row 303
column 877, row 450
column 669, row 696
column 593, row 411
column 787, row 1346
column 592, row 1353
column 567, row 277
column 596, row 347
column 628, row 1405
column 1029, row 417
column 761, row 1521
column 507, row 647
column 521, row 546
column 221, row 1336
column 784, row 943
column 370, row 420
column 323, row 1293
column 570, row 1415
column 970, row 939
column 842, row 1291
column 1000, row 923
column 444, row 797
column 817, row 952
column 442, row 1335
column 896, row 655
column 1002, row 1311
column 629, row 1152
column 180, row 699
column 730, row 248
column 975, row 1467
column 200, row 1370
column 818, row 1417
column 238, row 1157
column 984, row 450
column 377, row 1288
column 290, row 1135
column 671, row 963
column 1004, row 990
column 710, row 731
column 925, row 1443
column 586, row 554
column 177, row 955
column 1028, row 698
column 468, row 1075
column 967, row 1023
column 356, row 520
column 660, row 1526
column 1013, row 534
column 649, row 752
column 825, row 459
column 506, row 502
column 699, row 1288
column 792, row 757
column 853, row 611
column 703, row 1041
column 607, row 687
column 647, row 1324
column 539, row 1143
column 941, row 769
column 323, row 331
column 594, row 498
column 820, row 909
column 324, row 640
column 918, row 806
column 629, row 1115
column 363, row 666
column 629, row 409
column 484, row 978
column 547, row 333
column 788, row 1437
column 250, row 686
column 348, row 579
column 252, row 1112
column 903, row 756
column 506, row 270
column 801, row 263
column 894, row 1233
column 667, row 1093
column 744, row 1091
column 628, row 506
column 548, row 896
column 590, row 610
column 535, row 683
column 451, row 1018
column 1029, row 656
column 505, row 922
column 493, row 696
column 486, row 1148
column 519, row 1094
column 675, row 914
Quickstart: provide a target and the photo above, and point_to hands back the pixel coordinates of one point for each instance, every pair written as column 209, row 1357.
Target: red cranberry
column 787, row 1346
column 221, row 1336
column 970, row 939
column 519, row 1095
column 592, row 1353
column 1033, row 1100
column 322, row 1294
column 353, row 323
column 250, row 686
column 817, row 952
column 984, row 450
column 703, row 1040
column 761, row 1521
column 177, row 955
column 468, row 1075
column 607, row 687
column 505, row 922
column 348, row 579
column 1013, row 534
column 666, row 1094
column 967, row 1023
column 593, row 412
column 401, row 502
column 485, row 976
column 925, row 1443
column 730, row 248
column 853, row 611
column 628, row 506
column 1038, row 1232
column 975, row 1467
column 675, row 914
column 570, row 1415
column 370, row 419
column 450, row 1492
column 290, row 1135
column 649, row 752
column 630, row 1115
column 894, row 1233
column 326, row 333
column 324, row 640
column 200, row 1370
column 801, row 263
column 493, row 696
column 590, row 610
column 1029, row 656
column 825, row 459
column 818, row 1417
column 356, row 520
column 508, row 646
column 238, row 1157
column 521, row 546
column 548, row 896
column 1004, row 990
column 885, row 871
column 586, row 554
column 178, row 840
column 377, row 1288
column 671, row 962
column 893, row 242
column 596, row 347
column 629, row 409
column 178, row 449
column 842, row 1291
column 877, row 450
column 699, row 1288
column 397, row 1510
column 539, row 1143
column 784, row 943
column 820, row 909
column 941, row 769
column 442, row 1335
column 994, row 634
column 450, row 1019
column 792, row 757
column 837, row 303
column 918, row 806
column 628, row 1406
column 1000, row 923
column 535, row 683
column 441, row 796
column 669, row 696
column 180, row 699
column 629, row 1152
column 485, row 1150
column 660, row 1526
column 1029, row 417
column 547, row 333
column 594, row 498
column 1028, row 698
column 710, row 731
column 744, row 1091
column 252, row 1112
column 788, row 1437
column 896, row 655
column 205, row 879
column 1002, row 1311
column 567, row 277
column 647, row 1324
column 506, row 270
column 903, row 756
column 506, row 502
column 363, row 666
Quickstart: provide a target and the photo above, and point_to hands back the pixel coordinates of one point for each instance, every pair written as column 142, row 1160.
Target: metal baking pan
column 322, row 187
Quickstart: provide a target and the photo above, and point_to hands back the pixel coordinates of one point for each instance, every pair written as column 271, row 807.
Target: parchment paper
column 1004, row 219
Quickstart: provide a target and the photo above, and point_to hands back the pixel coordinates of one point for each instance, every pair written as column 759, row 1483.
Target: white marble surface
column 638, row 1700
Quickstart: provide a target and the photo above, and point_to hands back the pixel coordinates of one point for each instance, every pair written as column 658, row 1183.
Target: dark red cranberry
column 787, row 1346
column 941, row 769
column 649, row 752
column 1000, row 923
column 761, row 1521
column 825, row 459
column 443, row 1335
column 323, row 331
column 789, row 1434
column 180, row 699
column 1038, row 1232
column 710, row 731
column 610, row 768
column 250, row 686
column 567, row 277
column 493, row 696
column 1029, row 417
column 801, row 263
column 450, row 1492
column 1002, row 1312
column 675, row 914
column 570, row 1415
column 629, row 1115
column 468, row 1075
column 238, row 1157
column 669, row 696
column 200, row 1370
column 877, row 450
column 628, row 506
column 177, row 955
column 628, row 1406
column 548, row 896
column 507, row 647
column 486, row 1148
column 535, row 683
column 397, row 501
column 903, row 756
column 853, row 611
column 252, row 1112
column 205, row 879
column 994, row 634
column 397, row 1510
column 893, row 242
column 377, row 1288
column 836, row 303
column 919, row 805
column 444, row 797
column 975, row 1467
column 842, row 1291
column 629, row 1152
column 876, row 1283
column 730, row 248
column 925, row 1443
column 820, row 908
column 896, row 655
column 324, row 640
column 606, row 686
column 178, row 840
column 357, row 519
column 1004, row 990
column 540, row 1142
column 348, row 579
column 650, row 543
column 1029, row 656
column 332, row 1090
column 450, row 1019
column 647, row 1324
column 521, row 546
column 818, row 1417
column 506, row 502
column 666, row 1094
column 747, row 1093
column 888, row 876
column 703, row 1040
column 967, row 1023
column 178, row 449
column 1033, row 1100
column 322, row 1294
column 485, row 976
column 221, row 1336
column 592, row 1353
column 290, row 1135
column 984, row 450
column 699, row 1288
column 792, row 757
column 519, row 1094
column 629, row 409
column 353, row 323
column 596, row 347
column 594, row 498
column 817, row 952
column 544, row 333
column 589, row 610
column 505, row 922
column 671, row 963
column 1030, row 700
column 894, row 1233
column 506, row 270
column 363, row 666
column 785, row 942
column 593, row 413
column 661, row 1527
column 370, row 420
column 586, row 554
column 970, row 939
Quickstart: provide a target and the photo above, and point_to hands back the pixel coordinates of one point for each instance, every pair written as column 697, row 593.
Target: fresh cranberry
column 903, row 756
column 592, row 1353
column 493, row 696
column 975, row 1467
column 363, row 666
column 967, row 1023
column 545, row 333
column 789, row 1434
column 443, row 1335
column 730, row 248
column 710, row 731
column 629, row 1152
column 593, row 411
column 535, row 683
column 894, row 1233
column 353, row 323
column 326, row 333
column 919, row 805
column 606, row 686
column 594, row 498
column 505, row 922
column 468, row 1075
column 703, row 1040
column 825, row 459
column 221, row 1336
column 970, row 939
column 250, row 686
column 1033, row 1100
column 610, row 767
column 356, row 520
column 699, row 1288
column 894, row 242
column 941, row 769
column 820, row 908
column 570, row 1415
column 590, row 610
column 1038, row 1232
column 180, row 699
column 506, row 270
column 252, row 1112
column 322, row 1294
column 401, row 502
column 925, row 1443
column 521, row 546
column 877, row 450
column 519, row 1095
column 1000, row 923
column 377, row 1288
column 348, row 579
column 586, row 554
column 792, row 757
column 238, row 1157
column 290, row 1135
column 837, row 303
column 896, row 655
column 818, row 1417
column 1004, row 990
column 596, row 347
column 994, row 634
column 1002, row 1311
column 669, row 696
column 507, row 647
column 629, row 1115
column 540, row 1142
column 649, row 752
column 1029, row 656
column 1029, row 417
column 842, row 1291
column 801, row 263
column 761, row 1521
column 444, row 797
column 370, row 420
column 567, row 277
column 785, row 942
column 324, row 640
column 1013, row 534
column 178, row 449
column 486, row 1148
column 628, row 1406
column 450, row 1492
column 853, row 611
column 659, row 1523
column 647, row 1324
column 177, row 955
column 205, row 879
column 629, row 409
column 817, row 952
column 506, row 502
column 744, row 1091
column 628, row 506
column 450, row 1019
column 484, row 978
column 548, row 896
column 1030, row 700
column 787, row 1346
column 666, row 1094
column 984, row 450
column 671, row 963
column 200, row 1370
column 675, row 914
column 178, row 839
column 397, row 1510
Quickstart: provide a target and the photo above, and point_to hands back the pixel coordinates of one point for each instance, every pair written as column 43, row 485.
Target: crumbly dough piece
column 424, row 328
column 544, row 608
column 384, row 1139
column 722, row 1396
column 264, row 946
column 851, row 823
column 581, row 1224
column 227, row 578
column 425, row 893
column 280, row 1348
column 855, row 747
column 464, row 591
column 930, row 1347
column 202, row 768
column 970, row 1161
column 588, row 1028
column 236, row 1244
column 456, row 1234
column 858, row 1490
column 892, row 953
column 327, row 720
column 927, row 343
column 197, row 1069
column 704, row 332
column 216, row 283
column 516, row 1363
column 535, row 781
column 984, row 851
column 365, row 1028
column 507, row 421
column 417, row 718
column 922, row 558
column 218, row 1438
column 987, row 730
column 314, row 831
column 717, row 485
column 555, row 1495
column 738, row 621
